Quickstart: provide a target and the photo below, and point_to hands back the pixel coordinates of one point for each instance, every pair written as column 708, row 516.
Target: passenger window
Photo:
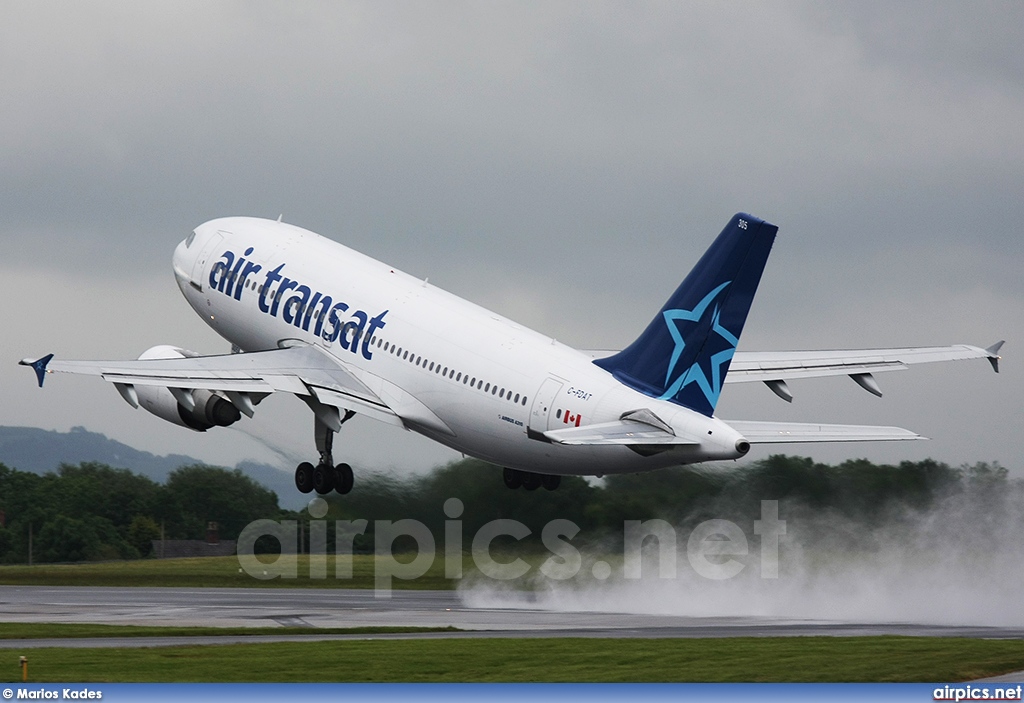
column 559, row 414
column 459, row 376
column 524, row 400
column 487, row 387
column 517, row 398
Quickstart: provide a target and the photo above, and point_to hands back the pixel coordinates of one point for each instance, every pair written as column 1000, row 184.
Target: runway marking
column 290, row 621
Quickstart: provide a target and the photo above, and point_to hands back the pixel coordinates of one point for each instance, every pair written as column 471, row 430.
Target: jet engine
column 196, row 409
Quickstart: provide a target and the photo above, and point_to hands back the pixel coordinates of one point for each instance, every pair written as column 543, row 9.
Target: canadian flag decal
column 571, row 419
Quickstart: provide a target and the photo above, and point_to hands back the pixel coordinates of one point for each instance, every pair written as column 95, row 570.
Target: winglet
column 39, row 365
column 993, row 354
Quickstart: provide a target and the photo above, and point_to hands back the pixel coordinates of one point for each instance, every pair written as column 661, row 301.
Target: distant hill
column 40, row 451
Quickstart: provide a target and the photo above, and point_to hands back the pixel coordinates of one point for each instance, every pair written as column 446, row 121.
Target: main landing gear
column 325, row 476
column 514, row 478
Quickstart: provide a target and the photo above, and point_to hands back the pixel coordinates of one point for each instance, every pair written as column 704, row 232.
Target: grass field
column 225, row 572
column 786, row 659
column 207, row 572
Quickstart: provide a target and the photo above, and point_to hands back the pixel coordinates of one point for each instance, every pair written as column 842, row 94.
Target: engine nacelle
column 210, row 410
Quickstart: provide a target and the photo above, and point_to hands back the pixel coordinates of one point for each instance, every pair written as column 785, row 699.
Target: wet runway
column 339, row 608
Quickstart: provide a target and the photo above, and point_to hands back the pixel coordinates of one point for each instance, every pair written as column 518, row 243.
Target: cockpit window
column 191, row 238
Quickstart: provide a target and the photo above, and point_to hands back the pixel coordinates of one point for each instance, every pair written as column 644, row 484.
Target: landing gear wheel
column 531, row 481
column 323, row 479
column 550, row 482
column 325, row 476
column 304, row 477
column 343, row 478
column 513, row 479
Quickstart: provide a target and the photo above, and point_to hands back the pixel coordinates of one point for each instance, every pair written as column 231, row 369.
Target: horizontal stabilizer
column 785, row 432
column 621, row 432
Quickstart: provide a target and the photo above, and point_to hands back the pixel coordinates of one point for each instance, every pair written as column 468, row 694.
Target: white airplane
column 348, row 334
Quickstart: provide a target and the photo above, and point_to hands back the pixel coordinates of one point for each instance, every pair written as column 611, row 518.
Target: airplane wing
column 304, row 370
column 797, row 432
column 774, row 368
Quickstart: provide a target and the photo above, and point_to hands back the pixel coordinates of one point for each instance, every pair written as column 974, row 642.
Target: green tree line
column 92, row 511
column 853, row 492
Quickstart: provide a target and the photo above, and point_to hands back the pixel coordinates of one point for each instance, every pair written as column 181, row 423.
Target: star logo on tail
column 720, row 345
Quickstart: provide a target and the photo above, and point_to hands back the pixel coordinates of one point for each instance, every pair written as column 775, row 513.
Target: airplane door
column 542, row 402
column 200, row 265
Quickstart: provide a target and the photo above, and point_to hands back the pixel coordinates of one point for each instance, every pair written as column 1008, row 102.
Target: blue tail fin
column 685, row 352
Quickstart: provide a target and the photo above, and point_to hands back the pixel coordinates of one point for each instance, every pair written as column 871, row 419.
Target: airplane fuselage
column 483, row 385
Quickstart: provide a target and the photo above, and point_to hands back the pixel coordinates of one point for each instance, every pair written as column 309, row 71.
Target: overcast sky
column 562, row 163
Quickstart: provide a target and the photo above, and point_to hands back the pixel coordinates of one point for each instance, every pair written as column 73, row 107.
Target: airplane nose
column 181, row 261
